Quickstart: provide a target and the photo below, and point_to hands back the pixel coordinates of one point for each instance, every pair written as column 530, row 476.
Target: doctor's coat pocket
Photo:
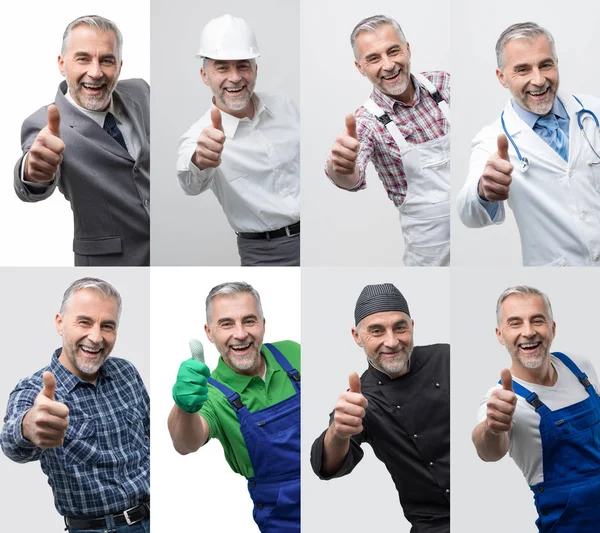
column 80, row 441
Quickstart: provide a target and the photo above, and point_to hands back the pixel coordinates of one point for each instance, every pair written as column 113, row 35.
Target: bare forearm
column 346, row 181
column 490, row 445
column 189, row 431
column 335, row 450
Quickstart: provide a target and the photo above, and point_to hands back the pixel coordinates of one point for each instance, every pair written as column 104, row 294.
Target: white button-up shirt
column 258, row 180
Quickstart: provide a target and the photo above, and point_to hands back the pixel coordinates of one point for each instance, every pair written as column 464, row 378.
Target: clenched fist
column 350, row 410
column 45, row 154
column 496, row 178
column 210, row 143
column 45, row 424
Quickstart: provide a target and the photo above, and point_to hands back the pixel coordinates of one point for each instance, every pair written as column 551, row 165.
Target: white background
column 31, row 300
column 482, row 492
column 336, row 224
column 365, row 500
column 199, row 492
column 478, row 98
column 41, row 234
column 193, row 230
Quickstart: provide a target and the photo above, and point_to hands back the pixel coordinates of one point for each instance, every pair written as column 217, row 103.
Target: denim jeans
column 138, row 527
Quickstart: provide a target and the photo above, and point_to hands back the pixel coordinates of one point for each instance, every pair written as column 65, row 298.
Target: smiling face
column 530, row 73
column 88, row 327
column 526, row 330
column 91, row 66
column 237, row 330
column 385, row 60
column 232, row 83
column 387, row 339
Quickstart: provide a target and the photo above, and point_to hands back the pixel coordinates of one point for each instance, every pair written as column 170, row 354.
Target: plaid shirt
column 419, row 122
column 103, row 466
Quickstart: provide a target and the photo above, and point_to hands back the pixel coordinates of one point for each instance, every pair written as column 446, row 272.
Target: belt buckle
column 129, row 521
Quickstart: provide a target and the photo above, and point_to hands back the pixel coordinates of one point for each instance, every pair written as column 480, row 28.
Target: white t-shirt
column 525, row 440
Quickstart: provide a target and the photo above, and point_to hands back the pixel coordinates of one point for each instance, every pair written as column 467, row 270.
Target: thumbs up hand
column 191, row 388
column 350, row 410
column 210, row 143
column 45, row 424
column 501, row 405
column 345, row 149
column 495, row 180
column 45, row 154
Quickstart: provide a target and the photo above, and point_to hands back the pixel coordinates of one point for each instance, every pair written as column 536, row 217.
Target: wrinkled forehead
column 237, row 305
column 90, row 302
column 377, row 39
column 523, row 306
column 384, row 319
column 84, row 37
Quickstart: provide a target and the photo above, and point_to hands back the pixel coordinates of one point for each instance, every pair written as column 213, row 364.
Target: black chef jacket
column 407, row 423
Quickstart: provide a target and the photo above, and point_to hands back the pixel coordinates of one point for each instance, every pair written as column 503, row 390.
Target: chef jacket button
column 596, row 258
column 259, row 505
column 544, row 512
column 415, row 436
column 583, row 215
column 146, row 202
column 447, row 491
column 379, row 383
column 437, row 385
column 398, row 407
column 253, row 483
column 430, row 463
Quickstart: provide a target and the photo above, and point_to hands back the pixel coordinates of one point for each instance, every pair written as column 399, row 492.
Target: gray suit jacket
column 108, row 190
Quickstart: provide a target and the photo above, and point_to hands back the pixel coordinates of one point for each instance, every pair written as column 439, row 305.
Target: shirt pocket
column 80, row 445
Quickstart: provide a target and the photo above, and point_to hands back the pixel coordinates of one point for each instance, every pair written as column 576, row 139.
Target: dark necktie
column 548, row 129
column 110, row 126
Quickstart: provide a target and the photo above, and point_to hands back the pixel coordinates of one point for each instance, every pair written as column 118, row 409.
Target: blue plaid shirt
column 103, row 466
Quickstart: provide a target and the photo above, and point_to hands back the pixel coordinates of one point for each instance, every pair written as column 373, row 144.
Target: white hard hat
column 228, row 37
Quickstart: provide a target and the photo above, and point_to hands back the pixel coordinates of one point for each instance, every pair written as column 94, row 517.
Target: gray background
column 334, row 220
column 478, row 98
column 483, row 491
column 366, row 500
column 193, row 230
column 32, row 297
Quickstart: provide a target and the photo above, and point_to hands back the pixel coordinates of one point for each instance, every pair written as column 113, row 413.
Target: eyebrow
column 533, row 317
column 229, row 319
column 402, row 322
column 90, row 319
column 87, row 54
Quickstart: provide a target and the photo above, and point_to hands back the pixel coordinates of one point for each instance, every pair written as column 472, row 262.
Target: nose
column 527, row 329
column 387, row 63
column 239, row 332
column 235, row 76
column 95, row 334
column 391, row 341
column 537, row 78
column 94, row 70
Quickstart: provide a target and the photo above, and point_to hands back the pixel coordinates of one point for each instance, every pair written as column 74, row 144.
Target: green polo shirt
column 255, row 393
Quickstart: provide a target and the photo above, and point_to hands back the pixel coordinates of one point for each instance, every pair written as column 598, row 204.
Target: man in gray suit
column 93, row 144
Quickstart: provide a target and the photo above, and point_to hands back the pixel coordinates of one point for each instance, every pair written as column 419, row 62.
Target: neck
column 544, row 375
column 408, row 96
column 247, row 112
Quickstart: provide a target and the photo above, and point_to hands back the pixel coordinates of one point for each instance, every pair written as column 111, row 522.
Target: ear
column 120, row 67
column 61, row 65
column 408, row 48
column 356, row 337
column 208, row 334
column 204, row 76
column 360, row 69
column 501, row 79
column 553, row 330
column 58, row 323
column 499, row 336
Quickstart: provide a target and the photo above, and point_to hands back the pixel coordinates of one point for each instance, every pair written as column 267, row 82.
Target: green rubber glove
column 191, row 390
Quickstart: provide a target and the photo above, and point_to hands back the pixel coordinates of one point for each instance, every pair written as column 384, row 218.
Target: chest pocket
column 80, row 445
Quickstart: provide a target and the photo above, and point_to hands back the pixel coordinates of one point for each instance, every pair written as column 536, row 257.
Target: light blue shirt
column 530, row 119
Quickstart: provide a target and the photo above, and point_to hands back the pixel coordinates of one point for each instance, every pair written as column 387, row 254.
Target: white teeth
column 240, row 346
column 234, row 90
column 530, row 345
column 90, row 350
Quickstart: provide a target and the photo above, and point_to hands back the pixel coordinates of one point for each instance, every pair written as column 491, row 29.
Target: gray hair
column 522, row 30
column 523, row 290
column 96, row 284
column 95, row 22
column 371, row 24
column 232, row 287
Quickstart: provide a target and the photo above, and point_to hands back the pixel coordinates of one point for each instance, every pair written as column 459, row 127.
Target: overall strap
column 531, row 398
column 581, row 376
column 387, row 122
column 292, row 373
column 435, row 94
column 232, row 397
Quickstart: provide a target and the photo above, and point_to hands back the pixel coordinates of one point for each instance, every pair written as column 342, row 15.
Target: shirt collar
column 231, row 123
column 239, row 382
column 68, row 381
column 531, row 118
column 97, row 116
column 387, row 103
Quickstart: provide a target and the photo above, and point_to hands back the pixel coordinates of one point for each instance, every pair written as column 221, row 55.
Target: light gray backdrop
column 336, row 223
column 365, row 500
column 478, row 98
column 483, row 493
column 32, row 297
column 193, row 230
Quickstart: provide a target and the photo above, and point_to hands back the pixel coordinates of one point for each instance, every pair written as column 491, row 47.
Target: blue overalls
column 272, row 437
column 568, row 500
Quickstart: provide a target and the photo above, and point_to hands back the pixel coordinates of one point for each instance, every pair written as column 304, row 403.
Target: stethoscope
column 582, row 114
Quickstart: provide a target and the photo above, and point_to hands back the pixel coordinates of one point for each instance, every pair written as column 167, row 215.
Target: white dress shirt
column 258, row 180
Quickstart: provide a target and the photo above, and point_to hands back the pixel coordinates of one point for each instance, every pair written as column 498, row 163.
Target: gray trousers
column 283, row 251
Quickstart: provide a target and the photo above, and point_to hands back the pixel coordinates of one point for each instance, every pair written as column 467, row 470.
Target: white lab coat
column 556, row 204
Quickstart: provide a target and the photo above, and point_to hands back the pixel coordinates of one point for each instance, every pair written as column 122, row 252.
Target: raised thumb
column 354, row 382
column 49, row 385
column 54, row 120
column 506, row 378
column 503, row 147
column 351, row 126
column 215, row 117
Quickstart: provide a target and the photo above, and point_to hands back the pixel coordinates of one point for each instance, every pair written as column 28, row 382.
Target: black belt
column 129, row 517
column 294, row 229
